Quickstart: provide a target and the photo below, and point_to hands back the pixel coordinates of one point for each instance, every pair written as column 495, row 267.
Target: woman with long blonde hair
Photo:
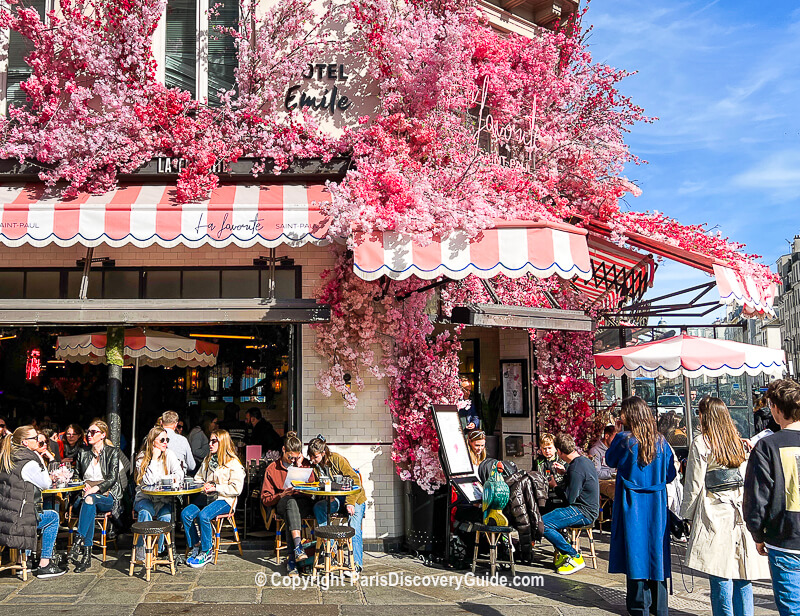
column 23, row 475
column 153, row 464
column 222, row 475
column 720, row 544
column 98, row 466
column 639, row 534
column 476, row 441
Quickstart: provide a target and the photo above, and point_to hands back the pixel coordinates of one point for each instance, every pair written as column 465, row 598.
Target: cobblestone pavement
column 254, row 585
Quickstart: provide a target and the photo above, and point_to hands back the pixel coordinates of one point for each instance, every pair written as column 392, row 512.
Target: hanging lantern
column 277, row 385
column 33, row 366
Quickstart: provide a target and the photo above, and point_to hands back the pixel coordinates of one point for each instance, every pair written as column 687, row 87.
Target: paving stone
column 167, row 597
column 43, row 600
column 283, row 609
column 342, row 597
column 8, row 589
column 116, row 593
column 170, row 586
column 227, row 579
column 287, row 596
column 226, row 595
column 64, row 585
column 394, row 595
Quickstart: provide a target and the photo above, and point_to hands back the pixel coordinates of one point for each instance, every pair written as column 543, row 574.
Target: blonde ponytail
column 9, row 443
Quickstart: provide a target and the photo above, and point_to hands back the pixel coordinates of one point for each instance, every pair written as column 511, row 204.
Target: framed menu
column 452, row 446
column 514, row 378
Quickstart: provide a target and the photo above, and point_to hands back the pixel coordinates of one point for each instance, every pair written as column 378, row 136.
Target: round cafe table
column 67, row 488
column 174, row 493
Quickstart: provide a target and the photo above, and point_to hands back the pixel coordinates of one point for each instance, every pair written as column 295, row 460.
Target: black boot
column 86, row 560
column 74, row 555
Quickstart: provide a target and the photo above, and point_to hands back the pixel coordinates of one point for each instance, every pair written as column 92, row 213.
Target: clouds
column 777, row 175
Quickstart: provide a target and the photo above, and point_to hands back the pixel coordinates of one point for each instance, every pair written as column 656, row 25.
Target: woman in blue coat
column 639, row 533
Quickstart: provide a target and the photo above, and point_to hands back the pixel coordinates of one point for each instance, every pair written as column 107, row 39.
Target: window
column 16, row 70
column 196, row 57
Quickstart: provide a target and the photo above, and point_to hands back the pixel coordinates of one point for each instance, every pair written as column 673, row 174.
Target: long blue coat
column 639, row 532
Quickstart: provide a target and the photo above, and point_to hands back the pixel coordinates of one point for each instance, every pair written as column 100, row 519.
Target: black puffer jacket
column 18, row 503
column 528, row 489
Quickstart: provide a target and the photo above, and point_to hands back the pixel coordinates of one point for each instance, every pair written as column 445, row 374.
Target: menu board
column 452, row 446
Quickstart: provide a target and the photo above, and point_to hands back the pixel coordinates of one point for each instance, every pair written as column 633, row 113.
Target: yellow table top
column 316, row 492
column 180, row 492
column 57, row 490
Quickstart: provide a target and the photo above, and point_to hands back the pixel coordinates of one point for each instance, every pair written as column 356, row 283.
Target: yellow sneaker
column 572, row 564
column 559, row 559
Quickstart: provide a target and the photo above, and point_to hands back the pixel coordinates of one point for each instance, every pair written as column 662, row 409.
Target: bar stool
column 575, row 534
column 307, row 527
column 493, row 535
column 216, row 525
column 329, row 561
column 16, row 561
column 151, row 532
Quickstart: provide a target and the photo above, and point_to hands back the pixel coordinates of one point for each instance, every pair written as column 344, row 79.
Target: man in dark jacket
column 261, row 431
column 581, row 493
column 771, row 497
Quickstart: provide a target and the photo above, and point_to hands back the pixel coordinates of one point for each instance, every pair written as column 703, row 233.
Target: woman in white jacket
column 222, row 475
column 720, row 544
column 154, row 463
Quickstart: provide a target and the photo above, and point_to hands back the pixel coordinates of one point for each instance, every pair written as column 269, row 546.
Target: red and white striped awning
column 244, row 215
column 618, row 274
column 735, row 289
column 514, row 248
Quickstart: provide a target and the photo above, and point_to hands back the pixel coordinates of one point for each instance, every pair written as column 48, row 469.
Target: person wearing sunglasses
column 154, row 463
column 98, row 466
column 47, row 448
column 3, row 428
column 23, row 476
column 290, row 505
column 72, row 441
column 222, row 475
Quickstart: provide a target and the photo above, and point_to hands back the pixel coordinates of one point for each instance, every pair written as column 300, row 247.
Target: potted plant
column 490, row 411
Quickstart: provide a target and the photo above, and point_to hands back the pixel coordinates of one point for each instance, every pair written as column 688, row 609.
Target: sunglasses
column 164, row 439
column 41, row 442
column 2, row 425
column 92, row 432
column 214, row 440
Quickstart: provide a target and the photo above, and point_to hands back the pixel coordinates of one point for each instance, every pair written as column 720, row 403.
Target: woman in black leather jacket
column 98, row 466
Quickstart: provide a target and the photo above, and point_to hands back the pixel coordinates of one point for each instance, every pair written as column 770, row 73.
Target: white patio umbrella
column 142, row 347
column 690, row 357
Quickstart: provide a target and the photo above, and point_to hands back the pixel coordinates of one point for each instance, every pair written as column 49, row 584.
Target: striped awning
column 618, row 274
column 143, row 215
column 513, row 248
column 737, row 289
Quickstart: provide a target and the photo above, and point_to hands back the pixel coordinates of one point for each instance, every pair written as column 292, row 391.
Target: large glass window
column 164, row 284
column 181, row 45
column 43, row 284
column 19, row 70
column 200, row 283
column 222, row 59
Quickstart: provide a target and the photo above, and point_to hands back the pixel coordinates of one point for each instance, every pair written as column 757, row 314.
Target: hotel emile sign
column 331, row 100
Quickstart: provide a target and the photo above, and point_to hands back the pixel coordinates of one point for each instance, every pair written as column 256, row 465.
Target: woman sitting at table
column 222, row 475
column 154, row 463
column 23, row 476
column 72, row 442
column 291, row 506
column 331, row 464
column 98, row 466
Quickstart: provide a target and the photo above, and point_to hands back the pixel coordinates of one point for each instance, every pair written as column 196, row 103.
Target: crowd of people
column 27, row 457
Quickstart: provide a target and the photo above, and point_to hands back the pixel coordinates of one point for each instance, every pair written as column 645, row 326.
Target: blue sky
column 723, row 78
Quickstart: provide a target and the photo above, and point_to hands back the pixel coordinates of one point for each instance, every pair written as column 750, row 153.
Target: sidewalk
column 233, row 583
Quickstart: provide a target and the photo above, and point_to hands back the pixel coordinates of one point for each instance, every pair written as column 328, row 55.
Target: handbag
column 722, row 479
column 678, row 528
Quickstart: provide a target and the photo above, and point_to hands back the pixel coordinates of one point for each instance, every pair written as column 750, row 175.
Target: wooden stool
column 493, row 534
column 16, row 561
column 216, row 524
column 101, row 519
column 575, row 533
column 601, row 516
column 325, row 560
column 151, row 532
column 307, row 527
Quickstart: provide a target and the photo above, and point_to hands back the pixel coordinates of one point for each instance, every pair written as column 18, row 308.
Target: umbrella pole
column 135, row 401
column 687, row 394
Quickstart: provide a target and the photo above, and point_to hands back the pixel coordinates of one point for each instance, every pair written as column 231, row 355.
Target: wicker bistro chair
column 101, row 520
column 493, row 534
column 16, row 561
column 307, row 530
column 151, row 532
column 334, row 550
column 216, row 525
column 575, row 535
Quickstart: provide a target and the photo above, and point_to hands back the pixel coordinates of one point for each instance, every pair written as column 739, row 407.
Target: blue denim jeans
column 559, row 519
column 89, row 507
column 48, row 524
column 203, row 516
column 321, row 514
column 146, row 512
column 785, row 570
column 731, row 597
